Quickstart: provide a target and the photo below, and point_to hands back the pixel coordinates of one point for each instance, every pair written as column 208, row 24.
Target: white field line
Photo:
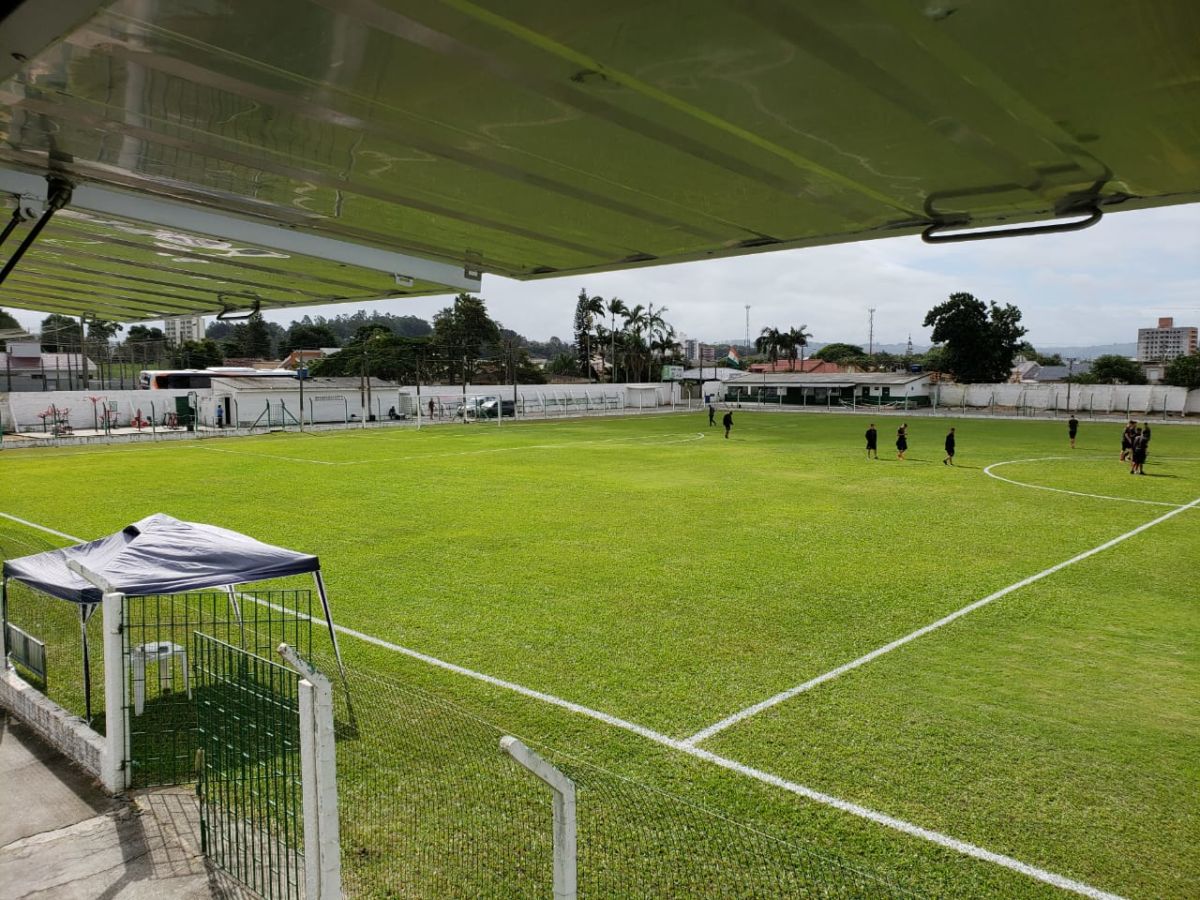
column 782, row 696
column 1041, row 487
column 942, row 840
column 60, row 534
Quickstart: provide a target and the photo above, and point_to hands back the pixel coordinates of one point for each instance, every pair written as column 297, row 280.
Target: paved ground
column 61, row 837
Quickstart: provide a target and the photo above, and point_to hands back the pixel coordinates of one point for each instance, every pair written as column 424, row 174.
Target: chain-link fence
column 430, row 807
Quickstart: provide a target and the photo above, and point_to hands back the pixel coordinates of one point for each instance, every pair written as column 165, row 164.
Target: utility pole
column 747, row 329
column 1070, row 370
column 871, row 332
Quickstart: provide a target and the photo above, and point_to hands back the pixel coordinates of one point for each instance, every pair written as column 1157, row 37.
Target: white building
column 183, row 328
column 1165, row 342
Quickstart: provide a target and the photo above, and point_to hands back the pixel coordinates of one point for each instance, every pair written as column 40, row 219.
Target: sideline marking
column 1041, row 487
column 962, row 847
column 749, row 711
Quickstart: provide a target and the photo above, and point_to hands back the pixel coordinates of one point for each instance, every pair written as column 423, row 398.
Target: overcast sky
column 1096, row 286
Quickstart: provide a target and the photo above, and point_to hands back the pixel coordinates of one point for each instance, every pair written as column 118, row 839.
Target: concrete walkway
column 62, row 837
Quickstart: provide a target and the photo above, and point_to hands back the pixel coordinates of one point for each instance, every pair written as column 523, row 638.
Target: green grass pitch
column 650, row 569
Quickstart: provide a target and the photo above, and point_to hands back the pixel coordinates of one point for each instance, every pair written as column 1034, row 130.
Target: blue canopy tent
column 160, row 555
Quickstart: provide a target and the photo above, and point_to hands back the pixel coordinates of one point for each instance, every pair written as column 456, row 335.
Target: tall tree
column 842, row 354
column 307, row 336
column 256, row 341
column 197, row 354
column 587, row 308
column 102, row 330
column 980, row 340
column 1114, row 369
column 616, row 307
column 7, row 321
column 61, row 333
column 1183, row 371
column 769, row 342
column 797, row 340
column 463, row 331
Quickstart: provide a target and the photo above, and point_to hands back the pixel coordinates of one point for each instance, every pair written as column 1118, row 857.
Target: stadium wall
column 19, row 410
column 1085, row 399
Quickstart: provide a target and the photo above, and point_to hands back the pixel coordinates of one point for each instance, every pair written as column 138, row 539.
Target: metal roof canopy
column 530, row 138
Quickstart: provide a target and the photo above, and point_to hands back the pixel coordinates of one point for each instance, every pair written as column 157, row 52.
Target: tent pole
column 87, row 665
column 329, row 620
column 332, row 633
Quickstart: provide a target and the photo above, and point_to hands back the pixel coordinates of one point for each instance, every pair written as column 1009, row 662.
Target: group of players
column 1135, row 444
column 902, row 443
column 1135, row 441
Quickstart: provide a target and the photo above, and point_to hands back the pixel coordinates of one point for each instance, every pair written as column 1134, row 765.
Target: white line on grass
column 60, row 534
column 749, row 711
column 942, row 840
column 1041, row 487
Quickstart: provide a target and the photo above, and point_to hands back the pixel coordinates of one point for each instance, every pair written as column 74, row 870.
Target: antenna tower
column 871, row 331
column 747, row 327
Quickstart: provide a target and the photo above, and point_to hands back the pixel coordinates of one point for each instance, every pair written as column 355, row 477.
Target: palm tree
column 635, row 324
column 590, row 307
column 769, row 343
column 666, row 344
column 616, row 307
column 656, row 326
column 797, row 339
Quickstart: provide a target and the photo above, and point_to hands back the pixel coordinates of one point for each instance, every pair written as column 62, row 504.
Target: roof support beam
column 172, row 214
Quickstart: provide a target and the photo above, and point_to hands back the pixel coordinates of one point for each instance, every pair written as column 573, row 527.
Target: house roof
column 278, row 383
column 51, row 362
column 1056, row 373
column 787, row 365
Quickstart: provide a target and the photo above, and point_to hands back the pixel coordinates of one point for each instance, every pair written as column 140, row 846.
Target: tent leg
column 337, row 653
column 87, row 665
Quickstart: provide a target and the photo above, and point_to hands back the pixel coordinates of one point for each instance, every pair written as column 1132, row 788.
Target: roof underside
column 532, row 138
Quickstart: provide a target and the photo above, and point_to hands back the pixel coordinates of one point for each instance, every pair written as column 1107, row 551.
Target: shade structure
column 281, row 153
column 159, row 555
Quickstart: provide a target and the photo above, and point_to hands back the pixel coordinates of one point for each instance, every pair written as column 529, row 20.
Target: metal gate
column 249, row 767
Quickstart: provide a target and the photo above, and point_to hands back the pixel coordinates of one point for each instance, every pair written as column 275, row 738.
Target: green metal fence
column 248, row 759
column 161, row 719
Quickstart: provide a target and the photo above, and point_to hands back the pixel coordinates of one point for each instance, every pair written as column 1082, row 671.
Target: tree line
column 615, row 351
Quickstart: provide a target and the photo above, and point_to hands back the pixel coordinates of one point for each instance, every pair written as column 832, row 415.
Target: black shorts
column 871, row 445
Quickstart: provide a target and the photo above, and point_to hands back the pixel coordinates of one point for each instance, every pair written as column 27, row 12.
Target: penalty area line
column 963, row 848
column 783, row 696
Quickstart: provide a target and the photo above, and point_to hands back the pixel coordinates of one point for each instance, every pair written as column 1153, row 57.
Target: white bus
column 191, row 379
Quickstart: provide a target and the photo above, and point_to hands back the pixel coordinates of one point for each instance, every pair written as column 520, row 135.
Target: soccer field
column 727, row 619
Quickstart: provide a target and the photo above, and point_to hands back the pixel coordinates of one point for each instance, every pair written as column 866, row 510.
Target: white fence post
column 114, row 776
column 318, row 768
column 565, row 876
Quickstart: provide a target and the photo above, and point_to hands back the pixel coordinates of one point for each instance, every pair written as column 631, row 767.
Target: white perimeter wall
column 22, row 407
column 324, row 404
column 1085, row 398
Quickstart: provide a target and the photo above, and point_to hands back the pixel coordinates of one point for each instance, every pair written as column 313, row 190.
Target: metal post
column 565, row 870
